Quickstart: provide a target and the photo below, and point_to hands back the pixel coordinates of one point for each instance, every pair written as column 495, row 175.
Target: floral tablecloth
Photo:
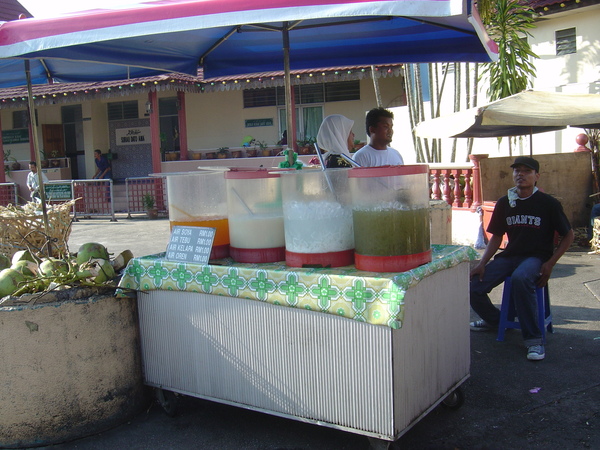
column 376, row 298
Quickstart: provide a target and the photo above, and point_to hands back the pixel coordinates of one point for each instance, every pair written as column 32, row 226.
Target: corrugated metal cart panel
column 310, row 366
column 431, row 352
column 284, row 360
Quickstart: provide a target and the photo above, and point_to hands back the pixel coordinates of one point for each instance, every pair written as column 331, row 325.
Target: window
column 259, row 97
column 303, row 94
column 345, row 90
column 566, row 41
column 123, row 110
column 308, row 121
column 20, row 119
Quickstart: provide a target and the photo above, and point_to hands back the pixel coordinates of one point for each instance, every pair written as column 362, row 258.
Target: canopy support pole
column 376, row 87
column 289, row 107
column 36, row 147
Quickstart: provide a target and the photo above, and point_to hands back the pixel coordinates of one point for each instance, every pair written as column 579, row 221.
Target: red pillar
column 2, row 174
column 181, row 117
column 477, row 191
column 155, row 132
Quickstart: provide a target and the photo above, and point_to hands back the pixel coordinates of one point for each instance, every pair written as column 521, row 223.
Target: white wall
column 574, row 73
column 216, row 119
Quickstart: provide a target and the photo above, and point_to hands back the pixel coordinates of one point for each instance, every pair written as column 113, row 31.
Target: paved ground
column 510, row 403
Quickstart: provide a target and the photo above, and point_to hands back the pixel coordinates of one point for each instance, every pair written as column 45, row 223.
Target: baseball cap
column 526, row 161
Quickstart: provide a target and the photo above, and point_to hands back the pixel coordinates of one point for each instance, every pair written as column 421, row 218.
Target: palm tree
column 509, row 24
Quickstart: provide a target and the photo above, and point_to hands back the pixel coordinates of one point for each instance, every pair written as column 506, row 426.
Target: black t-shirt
column 530, row 225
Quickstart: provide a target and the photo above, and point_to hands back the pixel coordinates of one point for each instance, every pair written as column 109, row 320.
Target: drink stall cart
column 369, row 353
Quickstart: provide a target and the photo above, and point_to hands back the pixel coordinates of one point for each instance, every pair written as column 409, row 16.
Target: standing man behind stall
column 380, row 129
column 103, row 169
column 530, row 218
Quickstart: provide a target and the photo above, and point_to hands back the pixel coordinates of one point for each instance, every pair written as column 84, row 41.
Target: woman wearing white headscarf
column 334, row 138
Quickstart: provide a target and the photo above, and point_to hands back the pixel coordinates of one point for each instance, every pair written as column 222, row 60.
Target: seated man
column 530, row 218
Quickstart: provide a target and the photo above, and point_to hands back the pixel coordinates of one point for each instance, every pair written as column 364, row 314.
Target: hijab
column 333, row 135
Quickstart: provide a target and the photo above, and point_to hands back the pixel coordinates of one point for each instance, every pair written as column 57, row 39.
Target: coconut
column 9, row 281
column 53, row 267
column 4, row 262
column 121, row 260
column 97, row 271
column 91, row 250
column 27, row 268
column 22, row 255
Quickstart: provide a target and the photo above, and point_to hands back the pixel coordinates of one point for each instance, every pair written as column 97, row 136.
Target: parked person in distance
column 32, row 182
column 103, row 169
column 283, row 140
column 530, row 218
column 335, row 137
column 380, row 129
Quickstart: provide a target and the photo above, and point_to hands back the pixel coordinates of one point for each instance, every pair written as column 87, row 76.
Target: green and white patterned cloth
column 376, row 298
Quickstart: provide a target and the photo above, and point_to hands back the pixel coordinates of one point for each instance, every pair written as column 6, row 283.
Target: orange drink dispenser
column 390, row 209
column 317, row 214
column 199, row 199
column 255, row 216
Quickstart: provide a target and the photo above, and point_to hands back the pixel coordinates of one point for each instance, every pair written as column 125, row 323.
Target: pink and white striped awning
column 228, row 37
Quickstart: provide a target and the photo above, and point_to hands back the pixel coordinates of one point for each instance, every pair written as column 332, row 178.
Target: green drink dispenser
column 390, row 211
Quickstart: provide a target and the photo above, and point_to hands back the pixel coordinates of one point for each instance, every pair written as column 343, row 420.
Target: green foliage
column 148, row 201
column 262, row 145
column 508, row 26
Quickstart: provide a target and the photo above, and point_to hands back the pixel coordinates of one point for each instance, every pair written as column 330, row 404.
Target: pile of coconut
column 91, row 267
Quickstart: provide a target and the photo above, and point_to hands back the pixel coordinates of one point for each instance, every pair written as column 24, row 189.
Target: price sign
column 190, row 244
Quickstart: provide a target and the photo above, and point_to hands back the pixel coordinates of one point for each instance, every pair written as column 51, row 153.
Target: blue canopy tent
column 228, row 37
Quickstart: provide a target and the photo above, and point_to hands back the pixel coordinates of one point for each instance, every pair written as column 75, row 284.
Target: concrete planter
column 69, row 369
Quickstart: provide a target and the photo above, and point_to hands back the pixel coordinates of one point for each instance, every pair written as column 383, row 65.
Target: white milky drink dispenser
column 255, row 216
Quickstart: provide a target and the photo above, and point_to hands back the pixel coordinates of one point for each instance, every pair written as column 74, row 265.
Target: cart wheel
column 168, row 401
column 378, row 444
column 455, row 399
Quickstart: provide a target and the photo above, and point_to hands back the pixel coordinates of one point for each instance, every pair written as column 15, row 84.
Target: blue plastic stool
column 508, row 313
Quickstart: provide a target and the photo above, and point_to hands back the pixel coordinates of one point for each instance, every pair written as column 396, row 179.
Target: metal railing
column 8, row 194
column 95, row 198
column 136, row 188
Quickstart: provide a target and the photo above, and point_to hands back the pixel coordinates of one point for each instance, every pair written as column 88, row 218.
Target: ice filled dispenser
column 255, row 216
column 199, row 199
column 317, row 213
column 390, row 208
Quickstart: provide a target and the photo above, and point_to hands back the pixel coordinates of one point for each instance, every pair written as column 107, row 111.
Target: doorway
column 72, row 119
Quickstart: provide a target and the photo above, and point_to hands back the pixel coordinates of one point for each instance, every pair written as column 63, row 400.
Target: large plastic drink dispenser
column 199, row 199
column 255, row 216
column 390, row 207
column 317, row 213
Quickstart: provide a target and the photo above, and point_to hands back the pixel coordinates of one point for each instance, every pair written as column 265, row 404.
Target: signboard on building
column 132, row 136
column 17, row 136
column 251, row 123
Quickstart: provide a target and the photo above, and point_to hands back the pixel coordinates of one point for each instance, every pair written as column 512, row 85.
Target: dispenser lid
column 248, row 174
column 388, row 171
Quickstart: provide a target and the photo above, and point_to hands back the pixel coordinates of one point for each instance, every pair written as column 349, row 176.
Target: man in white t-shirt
column 32, row 182
column 380, row 129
